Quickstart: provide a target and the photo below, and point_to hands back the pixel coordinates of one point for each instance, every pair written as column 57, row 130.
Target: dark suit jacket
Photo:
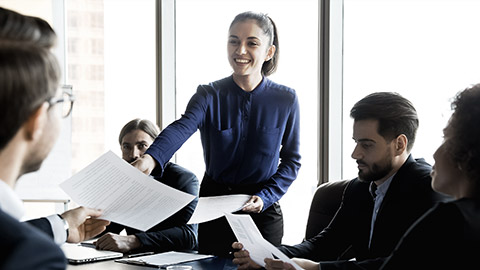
column 409, row 196
column 446, row 237
column 42, row 224
column 22, row 246
column 172, row 233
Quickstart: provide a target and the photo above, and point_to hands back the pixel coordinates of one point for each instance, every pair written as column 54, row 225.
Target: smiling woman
column 252, row 50
column 249, row 127
column 207, row 39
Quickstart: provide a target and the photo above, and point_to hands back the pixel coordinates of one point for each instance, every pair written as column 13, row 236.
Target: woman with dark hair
column 249, row 128
column 448, row 236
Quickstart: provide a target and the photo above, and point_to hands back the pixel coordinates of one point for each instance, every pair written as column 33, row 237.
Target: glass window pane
column 201, row 57
column 425, row 50
column 111, row 65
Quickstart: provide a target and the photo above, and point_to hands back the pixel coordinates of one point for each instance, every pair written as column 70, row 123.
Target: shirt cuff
column 58, row 229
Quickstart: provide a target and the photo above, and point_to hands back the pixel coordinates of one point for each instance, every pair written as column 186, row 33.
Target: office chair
column 325, row 203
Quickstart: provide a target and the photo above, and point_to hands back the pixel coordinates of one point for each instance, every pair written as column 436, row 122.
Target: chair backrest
column 325, row 203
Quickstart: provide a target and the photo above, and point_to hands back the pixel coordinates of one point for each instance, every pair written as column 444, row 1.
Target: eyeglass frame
column 66, row 89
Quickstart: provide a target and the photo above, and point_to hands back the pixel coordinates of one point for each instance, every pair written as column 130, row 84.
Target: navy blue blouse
column 248, row 138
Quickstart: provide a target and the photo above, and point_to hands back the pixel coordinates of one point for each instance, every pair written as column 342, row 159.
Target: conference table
column 210, row 264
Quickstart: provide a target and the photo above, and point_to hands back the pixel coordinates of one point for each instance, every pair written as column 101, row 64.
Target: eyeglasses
column 67, row 100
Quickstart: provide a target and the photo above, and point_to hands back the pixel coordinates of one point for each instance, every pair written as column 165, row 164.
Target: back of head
column 463, row 131
column 20, row 28
column 142, row 124
column 395, row 114
column 29, row 76
column 270, row 30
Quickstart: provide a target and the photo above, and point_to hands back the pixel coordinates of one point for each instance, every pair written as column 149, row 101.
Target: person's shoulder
column 218, row 84
column 448, row 214
column 414, row 178
column 357, row 183
column 215, row 88
column 415, row 169
column 470, row 210
column 357, row 188
column 24, row 246
column 421, row 164
column 273, row 86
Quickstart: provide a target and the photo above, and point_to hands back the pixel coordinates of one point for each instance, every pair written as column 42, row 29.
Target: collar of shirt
column 10, row 203
column 259, row 89
column 382, row 189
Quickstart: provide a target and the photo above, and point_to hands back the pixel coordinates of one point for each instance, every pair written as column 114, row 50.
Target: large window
column 111, row 65
column 425, row 50
column 107, row 52
column 201, row 57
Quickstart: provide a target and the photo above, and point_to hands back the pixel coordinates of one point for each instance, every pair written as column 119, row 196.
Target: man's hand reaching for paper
column 242, row 258
column 82, row 224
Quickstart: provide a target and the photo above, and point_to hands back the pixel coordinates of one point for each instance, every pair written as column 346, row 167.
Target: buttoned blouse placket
column 245, row 119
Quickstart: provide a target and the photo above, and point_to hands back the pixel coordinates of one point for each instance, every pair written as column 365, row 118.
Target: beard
column 376, row 171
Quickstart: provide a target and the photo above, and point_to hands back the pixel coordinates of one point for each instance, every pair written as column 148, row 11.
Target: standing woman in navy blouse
column 249, row 127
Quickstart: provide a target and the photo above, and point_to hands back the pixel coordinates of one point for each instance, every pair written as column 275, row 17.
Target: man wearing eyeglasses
column 66, row 100
column 31, row 106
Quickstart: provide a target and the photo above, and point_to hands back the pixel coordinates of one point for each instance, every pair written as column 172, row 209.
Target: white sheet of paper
column 166, row 258
column 248, row 234
column 210, row 208
column 126, row 195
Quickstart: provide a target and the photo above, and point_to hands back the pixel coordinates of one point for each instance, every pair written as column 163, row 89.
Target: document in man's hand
column 126, row 195
column 248, row 234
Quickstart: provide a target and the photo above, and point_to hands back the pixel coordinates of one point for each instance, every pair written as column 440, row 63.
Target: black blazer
column 408, row 197
column 22, row 246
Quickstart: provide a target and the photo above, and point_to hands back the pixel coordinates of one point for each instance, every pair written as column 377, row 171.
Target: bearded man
column 392, row 190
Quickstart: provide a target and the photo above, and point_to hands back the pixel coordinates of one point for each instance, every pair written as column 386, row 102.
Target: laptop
column 78, row 254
